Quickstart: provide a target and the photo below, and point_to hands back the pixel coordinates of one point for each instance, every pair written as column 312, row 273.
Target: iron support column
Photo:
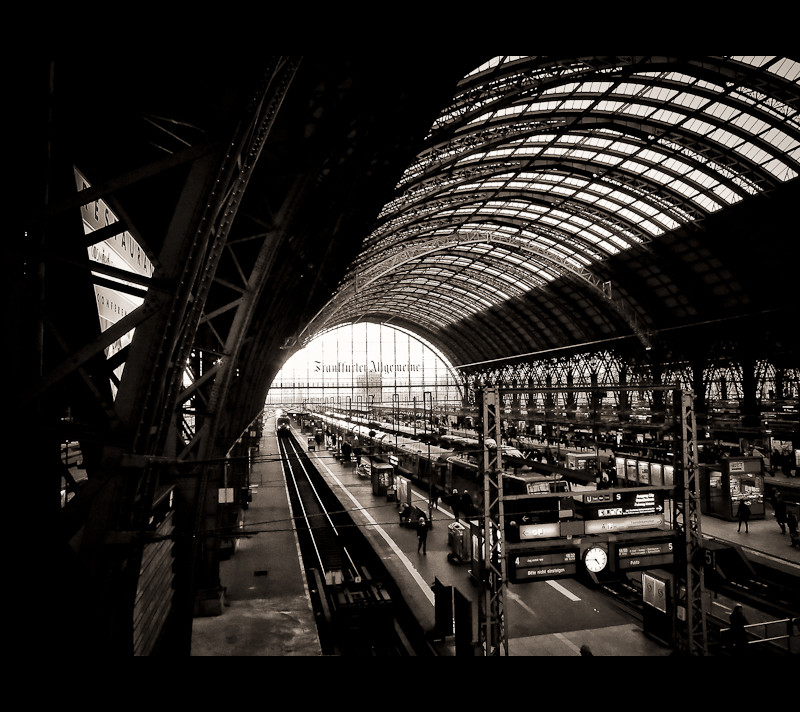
column 492, row 623
column 690, row 623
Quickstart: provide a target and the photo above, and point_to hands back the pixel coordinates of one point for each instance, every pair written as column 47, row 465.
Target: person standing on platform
column 791, row 523
column 466, row 504
column 454, row 503
column 743, row 515
column 738, row 632
column 422, row 535
column 780, row 511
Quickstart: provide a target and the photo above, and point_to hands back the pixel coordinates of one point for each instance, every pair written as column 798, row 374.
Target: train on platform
column 434, row 458
column 283, row 425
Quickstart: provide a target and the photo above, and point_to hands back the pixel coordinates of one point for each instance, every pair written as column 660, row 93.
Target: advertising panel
column 644, row 472
column 654, row 592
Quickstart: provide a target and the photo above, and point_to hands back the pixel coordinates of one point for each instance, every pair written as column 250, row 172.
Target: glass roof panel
column 577, row 160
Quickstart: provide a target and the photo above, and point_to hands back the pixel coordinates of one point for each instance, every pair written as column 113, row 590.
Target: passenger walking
column 422, row 535
column 454, row 503
column 433, row 497
column 743, row 515
column 738, row 632
column 780, row 511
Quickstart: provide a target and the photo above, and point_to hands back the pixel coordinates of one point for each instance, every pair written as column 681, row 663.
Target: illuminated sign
column 569, row 556
column 599, row 526
column 622, row 504
column 644, row 555
column 644, row 562
column 539, row 531
column 545, row 565
column 647, row 549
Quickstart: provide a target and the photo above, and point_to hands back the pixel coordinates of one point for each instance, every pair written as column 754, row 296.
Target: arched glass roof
column 542, row 167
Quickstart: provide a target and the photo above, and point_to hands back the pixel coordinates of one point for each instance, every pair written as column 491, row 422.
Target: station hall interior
column 556, row 267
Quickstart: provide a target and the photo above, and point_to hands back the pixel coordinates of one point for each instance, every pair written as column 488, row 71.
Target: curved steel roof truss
column 543, row 168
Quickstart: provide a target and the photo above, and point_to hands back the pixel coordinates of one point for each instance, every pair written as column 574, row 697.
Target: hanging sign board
column 533, row 566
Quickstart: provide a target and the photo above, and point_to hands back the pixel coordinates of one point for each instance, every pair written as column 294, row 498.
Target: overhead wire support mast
column 492, row 618
column 689, row 613
column 691, row 630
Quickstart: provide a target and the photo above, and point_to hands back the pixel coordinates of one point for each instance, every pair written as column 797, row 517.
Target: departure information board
column 644, row 555
column 532, row 566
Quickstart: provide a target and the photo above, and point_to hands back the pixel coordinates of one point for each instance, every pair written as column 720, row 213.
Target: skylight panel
column 702, row 128
column 782, row 142
column 751, row 124
column 581, row 155
column 725, row 194
column 679, row 78
column 780, row 170
column 639, row 110
column 753, row 60
column 576, row 105
column 629, row 89
column 786, row 68
column 689, row 100
column 676, row 166
column 753, row 152
column 672, row 118
column 598, row 142
column 634, row 167
column 661, row 95
column 624, row 147
column 725, row 138
column 611, row 249
column 712, row 206
column 652, row 156
column 611, row 107
column 658, row 176
column 722, row 111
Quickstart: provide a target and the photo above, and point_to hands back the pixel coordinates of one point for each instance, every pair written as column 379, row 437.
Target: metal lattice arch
column 562, row 165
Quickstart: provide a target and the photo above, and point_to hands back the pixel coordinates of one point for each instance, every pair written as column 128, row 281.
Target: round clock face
column 595, row 559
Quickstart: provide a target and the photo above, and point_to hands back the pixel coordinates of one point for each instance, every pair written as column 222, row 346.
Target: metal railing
column 778, row 637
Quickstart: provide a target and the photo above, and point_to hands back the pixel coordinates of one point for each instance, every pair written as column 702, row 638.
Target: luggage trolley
column 459, row 541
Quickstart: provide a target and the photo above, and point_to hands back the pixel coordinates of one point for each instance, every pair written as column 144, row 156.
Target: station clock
column 595, row 559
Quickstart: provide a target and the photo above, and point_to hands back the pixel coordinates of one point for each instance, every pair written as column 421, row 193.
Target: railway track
column 358, row 609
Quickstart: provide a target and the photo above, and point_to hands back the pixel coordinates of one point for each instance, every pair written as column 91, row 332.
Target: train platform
column 267, row 609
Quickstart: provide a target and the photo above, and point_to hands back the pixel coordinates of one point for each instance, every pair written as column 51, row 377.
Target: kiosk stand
column 734, row 479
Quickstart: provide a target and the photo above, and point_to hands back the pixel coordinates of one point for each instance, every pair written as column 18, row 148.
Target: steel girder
column 141, row 454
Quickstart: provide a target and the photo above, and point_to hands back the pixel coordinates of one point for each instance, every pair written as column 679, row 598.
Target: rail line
column 359, row 611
